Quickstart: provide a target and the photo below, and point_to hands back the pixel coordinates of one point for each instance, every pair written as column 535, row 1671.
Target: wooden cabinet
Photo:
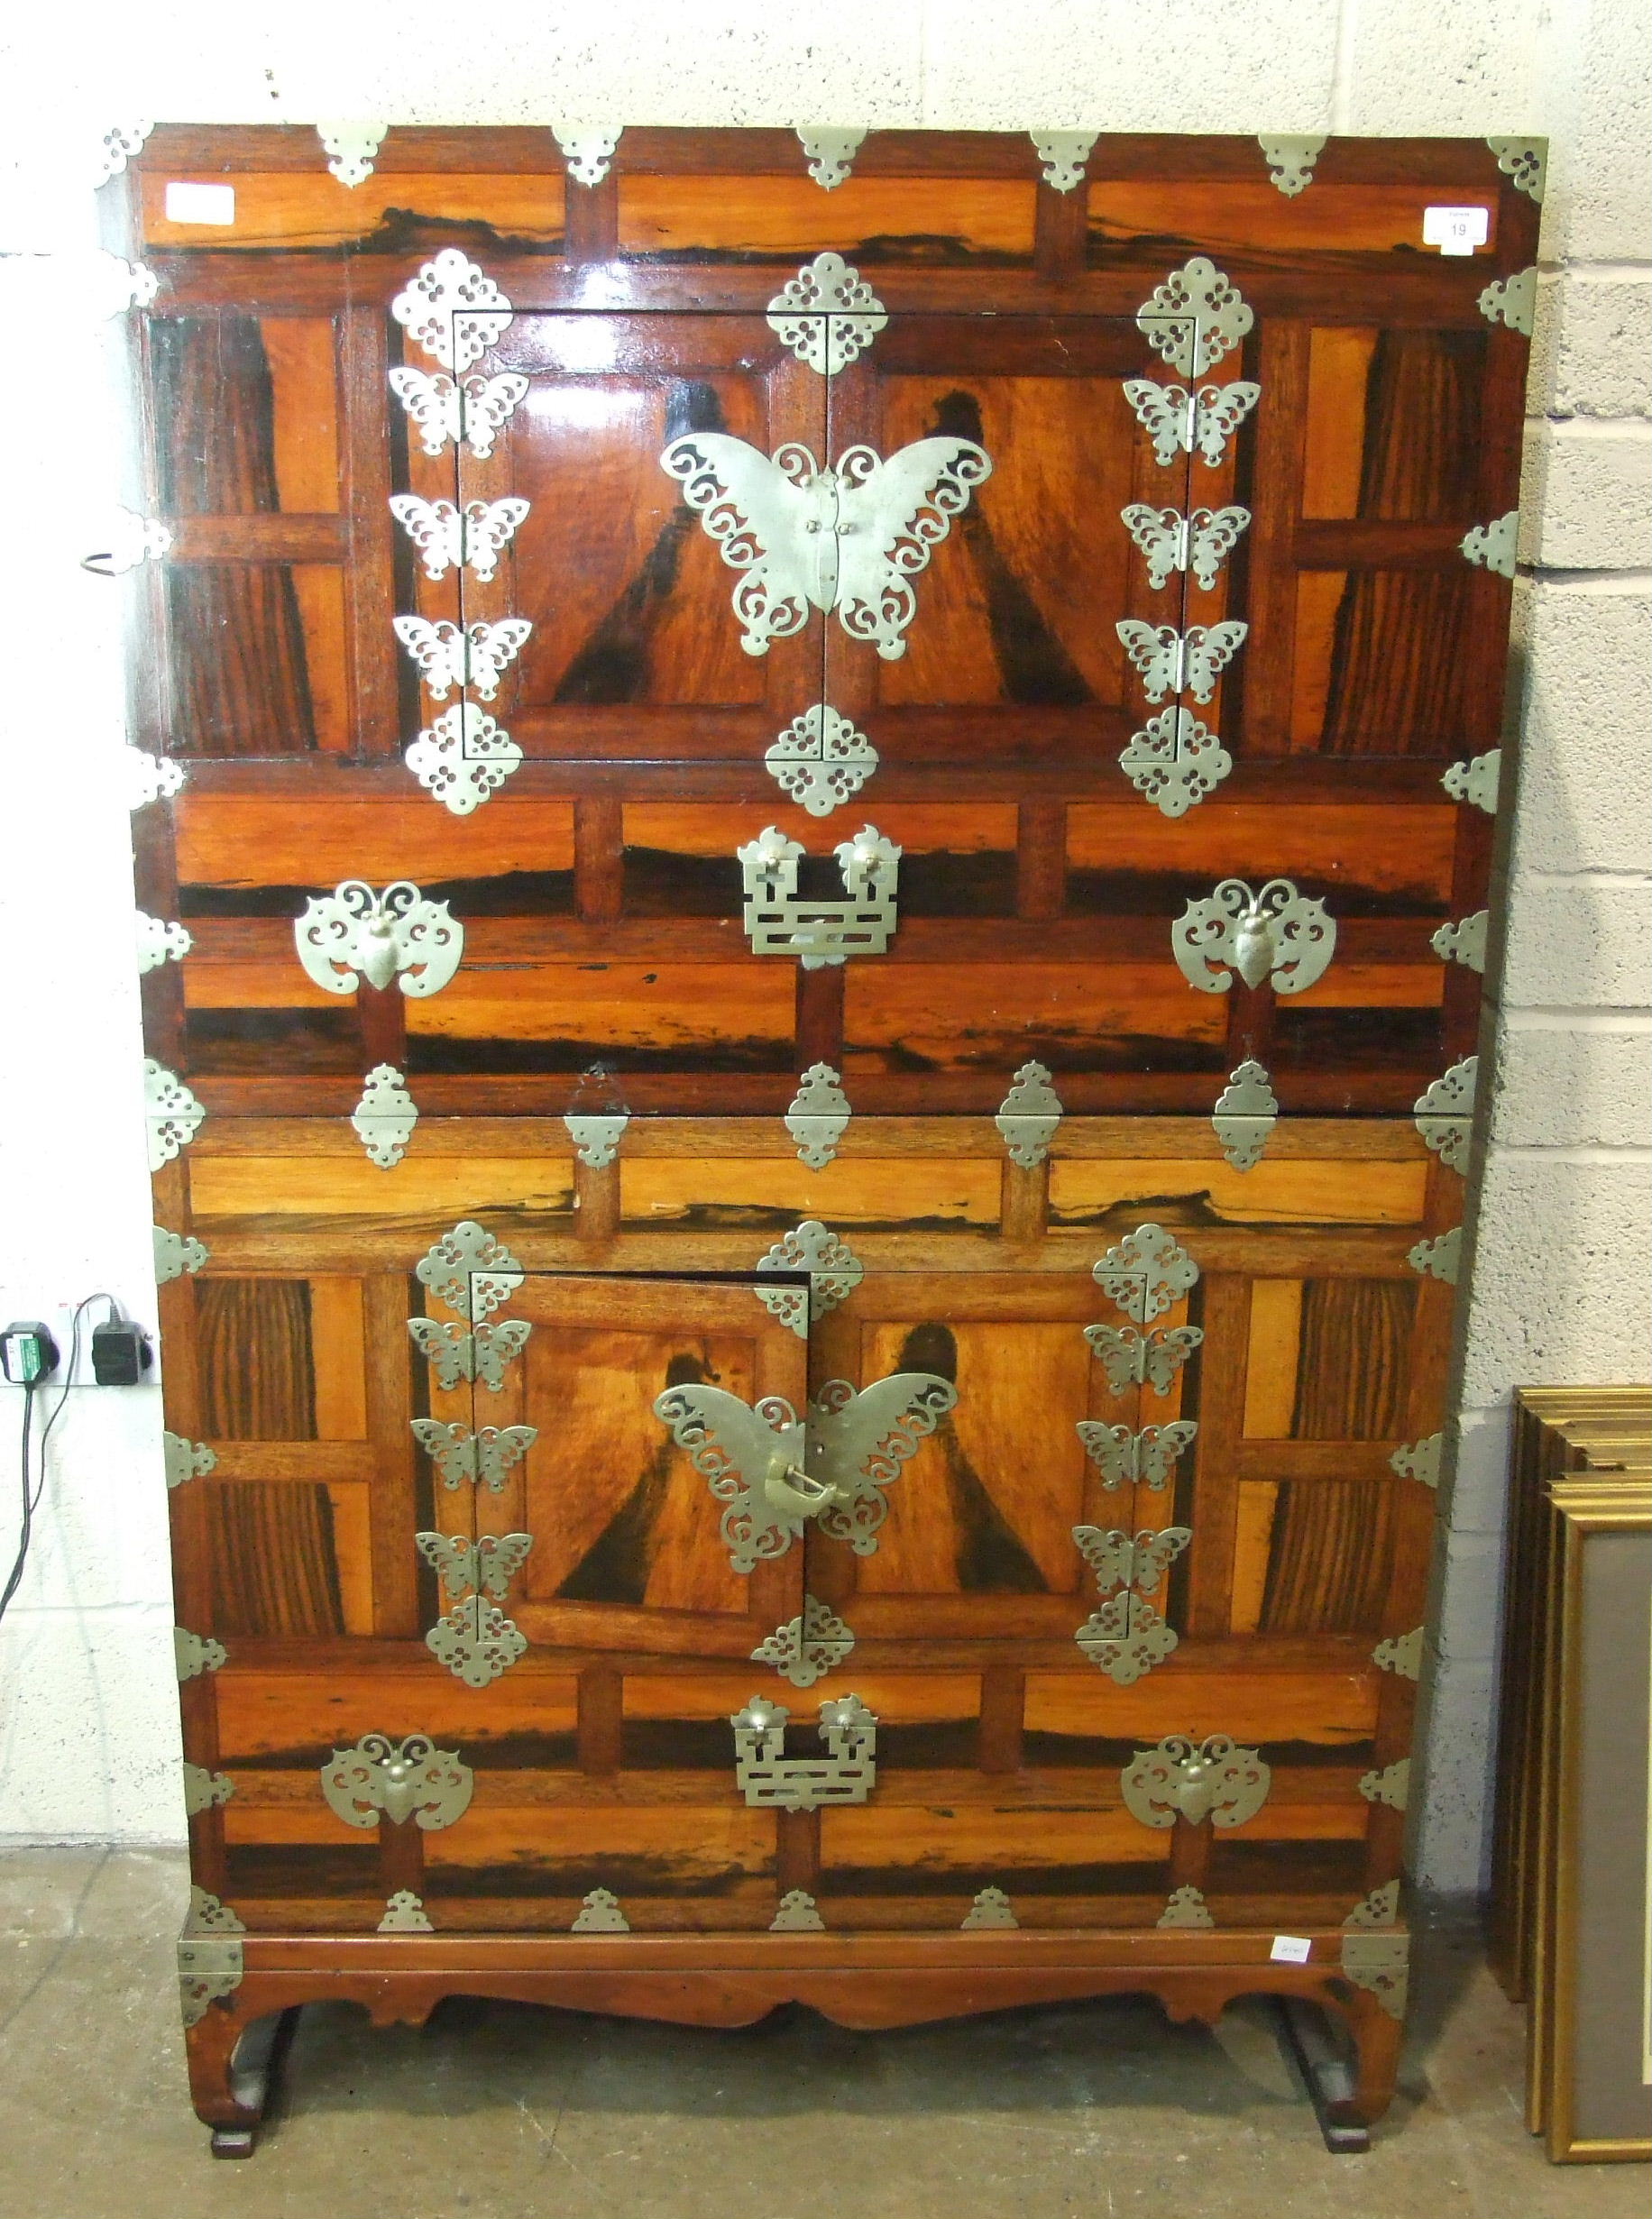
column 714, row 778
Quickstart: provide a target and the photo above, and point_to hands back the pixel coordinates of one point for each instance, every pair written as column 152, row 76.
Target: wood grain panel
column 1338, row 378
column 1340, row 219
column 290, row 210
column 338, row 1351
column 274, row 1713
column 952, row 217
column 695, row 828
column 237, row 839
column 1000, row 1013
column 257, row 1368
column 927, row 1844
column 338, row 1187
column 1270, row 1193
column 898, row 1697
column 743, row 1008
column 1274, row 1358
column 274, row 1559
column 900, row 1190
column 1255, row 1707
column 1388, row 846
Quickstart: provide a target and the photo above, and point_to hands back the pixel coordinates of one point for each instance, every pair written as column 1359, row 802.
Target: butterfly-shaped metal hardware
column 472, row 412
column 1152, row 1360
column 1171, row 661
column 1195, row 317
column 483, row 1458
column 1180, row 422
column 857, row 1440
column 472, row 537
column 1279, row 935
column 1139, row 1562
column 1127, row 1459
column 482, row 1356
column 851, row 538
column 486, row 1566
column 473, row 659
column 452, row 310
column 1214, row 1779
column 751, row 1458
column 1125, row 1636
column 353, row 934
column 1146, row 1273
column 1201, row 542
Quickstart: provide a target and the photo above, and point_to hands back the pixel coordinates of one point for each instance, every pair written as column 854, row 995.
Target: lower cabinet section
column 902, row 1621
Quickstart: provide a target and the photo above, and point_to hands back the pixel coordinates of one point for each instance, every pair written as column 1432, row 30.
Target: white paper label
column 1456, row 231
column 201, row 204
column 1290, row 1949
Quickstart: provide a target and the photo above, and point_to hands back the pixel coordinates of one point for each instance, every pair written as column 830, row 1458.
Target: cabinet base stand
column 1327, row 2074
column 865, row 1981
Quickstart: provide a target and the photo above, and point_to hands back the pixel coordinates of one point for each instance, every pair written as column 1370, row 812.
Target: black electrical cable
column 33, row 1488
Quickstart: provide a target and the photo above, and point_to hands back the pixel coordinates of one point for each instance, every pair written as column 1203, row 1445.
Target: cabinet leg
column 233, row 2064
column 1349, row 2093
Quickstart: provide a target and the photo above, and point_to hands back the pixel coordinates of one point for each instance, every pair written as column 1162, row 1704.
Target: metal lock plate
column 769, row 1779
column 820, row 761
column 1195, row 317
column 833, row 1268
column 778, row 921
column 1146, row 1273
column 851, row 537
column 826, row 314
column 807, row 1647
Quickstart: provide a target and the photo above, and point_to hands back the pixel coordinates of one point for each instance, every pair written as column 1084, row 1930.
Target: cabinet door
column 636, row 1628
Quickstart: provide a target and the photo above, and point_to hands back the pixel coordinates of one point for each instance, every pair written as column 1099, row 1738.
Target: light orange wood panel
column 237, row 839
column 1319, row 596
column 212, row 982
column 1047, row 436
column 586, row 456
column 664, row 1006
column 1388, row 845
column 319, row 590
column 990, row 1500
column 262, row 1712
column 900, row 1698
column 249, row 1823
column 948, row 1839
column 603, row 1460
column 1334, row 452
column 304, row 385
column 1335, row 218
column 792, row 214
column 1270, row 1706
column 1271, row 1366
column 300, row 1186
column 298, row 209
column 1355, row 984
column 1252, row 1546
column 1338, row 1192
column 352, row 1552
column 978, row 1012
column 707, row 828
column 847, row 1192
column 696, row 1842
column 339, row 1356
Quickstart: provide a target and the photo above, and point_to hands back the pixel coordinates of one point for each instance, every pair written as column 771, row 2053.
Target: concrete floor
column 494, row 2111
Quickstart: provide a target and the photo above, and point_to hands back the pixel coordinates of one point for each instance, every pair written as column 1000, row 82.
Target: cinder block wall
column 89, row 1747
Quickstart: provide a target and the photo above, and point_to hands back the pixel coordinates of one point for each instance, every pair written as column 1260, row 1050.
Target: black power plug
column 121, row 1353
column 27, row 1352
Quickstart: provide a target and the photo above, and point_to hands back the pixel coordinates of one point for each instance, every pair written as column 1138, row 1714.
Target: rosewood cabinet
column 819, row 856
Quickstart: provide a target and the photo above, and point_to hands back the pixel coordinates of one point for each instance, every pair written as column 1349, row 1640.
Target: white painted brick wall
column 87, row 1716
